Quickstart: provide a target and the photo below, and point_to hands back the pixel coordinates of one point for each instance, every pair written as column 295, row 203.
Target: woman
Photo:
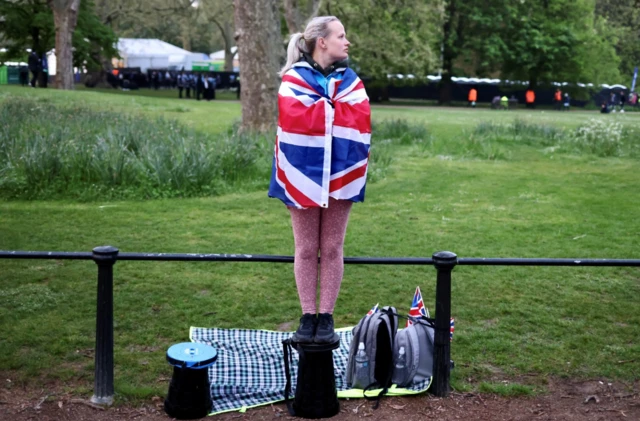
column 320, row 163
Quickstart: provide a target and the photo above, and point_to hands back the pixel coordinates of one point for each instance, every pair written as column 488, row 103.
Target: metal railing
column 444, row 262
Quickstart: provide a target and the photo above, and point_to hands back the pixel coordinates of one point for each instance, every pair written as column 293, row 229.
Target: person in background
column 504, row 102
column 567, row 102
column 557, row 98
column 201, row 85
column 44, row 75
column 180, row 82
column 623, row 99
column 604, row 108
column 34, row 67
column 211, row 90
column 473, row 97
column 24, row 75
column 189, row 84
column 612, row 102
column 319, row 177
column 495, row 102
column 633, row 99
column 530, row 98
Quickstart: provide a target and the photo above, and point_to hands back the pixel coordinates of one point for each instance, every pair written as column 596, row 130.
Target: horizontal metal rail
column 444, row 262
column 268, row 258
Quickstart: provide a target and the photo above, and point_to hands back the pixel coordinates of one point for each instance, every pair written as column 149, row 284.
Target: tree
column 65, row 18
column 296, row 18
column 260, row 49
column 220, row 13
column 389, row 36
column 545, row 43
column 622, row 19
column 453, row 39
column 26, row 24
column 29, row 24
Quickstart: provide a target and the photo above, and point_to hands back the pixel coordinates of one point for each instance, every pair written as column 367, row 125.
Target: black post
column 444, row 261
column 105, row 257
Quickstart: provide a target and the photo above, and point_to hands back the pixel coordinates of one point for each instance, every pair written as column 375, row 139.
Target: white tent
column 219, row 56
column 154, row 53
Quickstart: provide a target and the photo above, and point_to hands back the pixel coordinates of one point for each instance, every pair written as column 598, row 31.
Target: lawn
column 513, row 324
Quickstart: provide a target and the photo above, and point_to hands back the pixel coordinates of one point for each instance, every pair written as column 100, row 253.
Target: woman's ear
column 321, row 42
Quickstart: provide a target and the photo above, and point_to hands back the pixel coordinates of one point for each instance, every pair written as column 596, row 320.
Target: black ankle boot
column 324, row 331
column 307, row 329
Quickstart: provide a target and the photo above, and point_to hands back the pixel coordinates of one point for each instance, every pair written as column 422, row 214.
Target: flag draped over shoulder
column 323, row 139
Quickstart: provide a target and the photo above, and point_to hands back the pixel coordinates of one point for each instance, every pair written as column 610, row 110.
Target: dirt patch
column 566, row 400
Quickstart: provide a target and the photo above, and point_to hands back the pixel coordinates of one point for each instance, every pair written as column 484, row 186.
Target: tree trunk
column 228, row 43
column 448, row 54
column 295, row 19
column 260, row 51
column 65, row 18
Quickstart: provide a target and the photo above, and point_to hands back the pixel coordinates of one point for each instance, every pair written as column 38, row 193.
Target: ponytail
column 306, row 43
column 296, row 47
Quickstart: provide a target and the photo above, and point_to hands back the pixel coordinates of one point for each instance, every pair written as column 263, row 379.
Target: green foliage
column 51, row 151
column 29, row 24
column 623, row 20
column 389, row 36
column 26, row 24
column 605, row 138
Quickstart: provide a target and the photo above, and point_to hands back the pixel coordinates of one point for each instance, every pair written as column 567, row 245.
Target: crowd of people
column 561, row 100
column 38, row 66
column 199, row 85
column 619, row 101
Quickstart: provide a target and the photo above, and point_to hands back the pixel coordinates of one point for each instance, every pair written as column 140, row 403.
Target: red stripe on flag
column 297, row 195
column 340, row 182
column 356, row 116
column 295, row 117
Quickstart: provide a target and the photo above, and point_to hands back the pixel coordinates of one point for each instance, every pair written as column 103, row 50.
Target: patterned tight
column 323, row 230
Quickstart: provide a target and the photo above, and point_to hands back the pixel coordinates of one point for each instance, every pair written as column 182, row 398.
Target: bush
column 48, row 152
column 73, row 152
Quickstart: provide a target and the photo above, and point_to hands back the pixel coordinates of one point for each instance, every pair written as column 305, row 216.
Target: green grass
column 512, row 323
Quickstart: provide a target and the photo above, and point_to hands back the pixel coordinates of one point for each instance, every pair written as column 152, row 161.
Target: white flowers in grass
column 601, row 137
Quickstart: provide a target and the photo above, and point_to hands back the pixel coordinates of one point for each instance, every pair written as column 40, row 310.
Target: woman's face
column 337, row 45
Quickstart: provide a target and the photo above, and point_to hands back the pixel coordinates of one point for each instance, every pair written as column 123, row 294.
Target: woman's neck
column 321, row 59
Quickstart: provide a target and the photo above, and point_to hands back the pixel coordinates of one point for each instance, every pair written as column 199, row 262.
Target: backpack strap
column 288, row 362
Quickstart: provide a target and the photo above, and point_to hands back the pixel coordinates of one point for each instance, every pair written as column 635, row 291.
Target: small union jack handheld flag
column 417, row 307
column 452, row 326
column 373, row 310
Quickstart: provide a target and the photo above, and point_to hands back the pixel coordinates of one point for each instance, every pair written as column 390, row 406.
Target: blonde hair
column 300, row 43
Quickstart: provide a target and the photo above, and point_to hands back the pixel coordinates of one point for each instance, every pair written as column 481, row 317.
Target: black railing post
column 444, row 262
column 105, row 257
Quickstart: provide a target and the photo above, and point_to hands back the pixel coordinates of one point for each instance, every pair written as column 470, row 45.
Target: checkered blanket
column 250, row 371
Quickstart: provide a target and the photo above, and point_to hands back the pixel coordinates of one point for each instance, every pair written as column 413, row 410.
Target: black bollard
column 444, row 262
column 316, row 395
column 105, row 257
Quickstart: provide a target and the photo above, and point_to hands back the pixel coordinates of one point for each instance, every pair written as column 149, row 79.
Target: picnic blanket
column 250, row 372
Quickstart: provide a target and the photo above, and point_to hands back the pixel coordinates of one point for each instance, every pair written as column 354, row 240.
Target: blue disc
column 191, row 355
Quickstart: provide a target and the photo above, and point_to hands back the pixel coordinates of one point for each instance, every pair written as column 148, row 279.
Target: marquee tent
column 154, row 54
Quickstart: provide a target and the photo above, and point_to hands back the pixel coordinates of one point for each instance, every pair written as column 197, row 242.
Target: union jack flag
column 452, row 326
column 417, row 307
column 373, row 310
column 323, row 139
